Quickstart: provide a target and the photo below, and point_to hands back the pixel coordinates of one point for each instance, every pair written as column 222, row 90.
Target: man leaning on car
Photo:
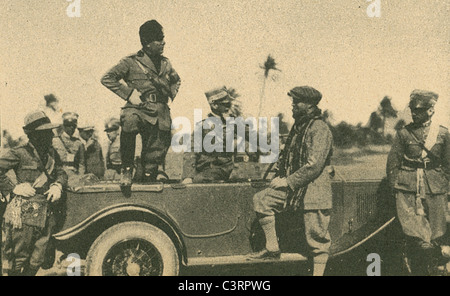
column 34, row 195
column 303, row 181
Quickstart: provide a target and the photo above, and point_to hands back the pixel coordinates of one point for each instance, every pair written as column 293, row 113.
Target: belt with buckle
column 425, row 164
column 153, row 98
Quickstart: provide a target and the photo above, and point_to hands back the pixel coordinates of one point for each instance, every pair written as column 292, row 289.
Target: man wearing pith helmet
column 303, row 181
column 150, row 81
column 34, row 197
column 418, row 170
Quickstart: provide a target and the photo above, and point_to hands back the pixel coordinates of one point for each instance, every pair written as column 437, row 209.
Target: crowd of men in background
column 78, row 145
column 61, row 155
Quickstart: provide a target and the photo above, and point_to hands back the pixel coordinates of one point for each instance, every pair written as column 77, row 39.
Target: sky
column 334, row 46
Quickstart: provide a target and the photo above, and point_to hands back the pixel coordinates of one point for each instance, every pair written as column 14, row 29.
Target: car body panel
column 216, row 220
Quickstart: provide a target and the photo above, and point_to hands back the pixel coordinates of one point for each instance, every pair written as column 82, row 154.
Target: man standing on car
column 418, row 169
column 34, row 197
column 150, row 83
column 303, row 181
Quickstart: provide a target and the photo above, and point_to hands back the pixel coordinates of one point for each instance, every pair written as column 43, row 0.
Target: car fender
column 119, row 211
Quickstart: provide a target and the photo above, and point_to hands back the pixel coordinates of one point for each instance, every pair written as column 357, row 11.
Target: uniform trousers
column 25, row 249
column 269, row 202
column 155, row 142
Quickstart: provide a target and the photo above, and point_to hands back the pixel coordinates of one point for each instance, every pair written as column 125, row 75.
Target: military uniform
column 304, row 165
column 205, row 166
column 95, row 163
column 157, row 82
column 29, row 222
column 420, row 182
column 113, row 160
column 208, row 166
column 70, row 148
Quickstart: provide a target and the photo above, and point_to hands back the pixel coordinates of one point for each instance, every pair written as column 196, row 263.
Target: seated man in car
column 210, row 166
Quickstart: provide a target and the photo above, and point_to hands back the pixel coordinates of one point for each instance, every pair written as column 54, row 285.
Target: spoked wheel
column 133, row 258
column 132, row 249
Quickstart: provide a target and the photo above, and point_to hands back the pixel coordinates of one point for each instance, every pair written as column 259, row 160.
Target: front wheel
column 132, row 249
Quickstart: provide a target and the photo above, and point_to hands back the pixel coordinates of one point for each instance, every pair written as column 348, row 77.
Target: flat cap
column 306, row 94
column 422, row 99
column 112, row 124
column 37, row 120
column 217, row 94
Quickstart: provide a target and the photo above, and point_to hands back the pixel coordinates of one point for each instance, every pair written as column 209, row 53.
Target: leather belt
column 154, row 98
column 426, row 164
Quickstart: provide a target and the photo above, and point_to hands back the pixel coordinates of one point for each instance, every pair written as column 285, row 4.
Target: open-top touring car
column 155, row 228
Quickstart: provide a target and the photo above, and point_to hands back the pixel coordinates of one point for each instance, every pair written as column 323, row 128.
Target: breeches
column 26, row 246
column 269, row 202
column 426, row 228
column 155, row 142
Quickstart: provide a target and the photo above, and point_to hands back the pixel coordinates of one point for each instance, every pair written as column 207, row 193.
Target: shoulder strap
column 161, row 87
column 45, row 176
column 64, row 144
column 149, row 75
column 423, row 143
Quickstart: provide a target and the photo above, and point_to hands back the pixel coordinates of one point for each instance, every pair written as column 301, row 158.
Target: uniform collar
column 50, row 160
column 66, row 136
column 142, row 57
column 217, row 116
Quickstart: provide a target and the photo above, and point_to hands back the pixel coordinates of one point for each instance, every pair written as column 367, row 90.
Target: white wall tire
column 132, row 249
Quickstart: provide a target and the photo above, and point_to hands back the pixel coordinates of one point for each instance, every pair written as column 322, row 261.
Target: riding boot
column 126, row 176
column 151, row 173
column 127, row 148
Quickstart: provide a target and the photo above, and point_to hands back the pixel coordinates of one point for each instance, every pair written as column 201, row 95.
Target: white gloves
column 26, row 190
column 54, row 193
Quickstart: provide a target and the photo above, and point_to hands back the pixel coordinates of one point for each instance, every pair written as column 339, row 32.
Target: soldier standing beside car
column 95, row 163
column 303, row 181
column 69, row 147
column 113, row 160
column 34, row 197
column 150, row 82
column 418, row 169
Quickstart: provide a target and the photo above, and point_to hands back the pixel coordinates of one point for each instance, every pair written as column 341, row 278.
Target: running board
column 242, row 259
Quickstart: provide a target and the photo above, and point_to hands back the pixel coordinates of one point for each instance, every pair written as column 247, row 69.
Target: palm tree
column 386, row 111
column 269, row 65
